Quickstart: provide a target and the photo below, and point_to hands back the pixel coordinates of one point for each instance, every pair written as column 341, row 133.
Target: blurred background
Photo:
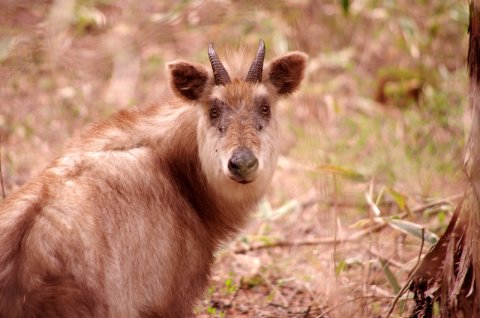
column 371, row 146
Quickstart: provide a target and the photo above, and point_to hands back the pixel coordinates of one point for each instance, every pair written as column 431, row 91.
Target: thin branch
column 437, row 203
column 319, row 241
column 419, row 252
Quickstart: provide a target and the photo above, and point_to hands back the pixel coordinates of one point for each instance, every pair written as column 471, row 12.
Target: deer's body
column 126, row 222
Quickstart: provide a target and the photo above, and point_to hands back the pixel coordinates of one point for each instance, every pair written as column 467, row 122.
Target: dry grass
column 377, row 131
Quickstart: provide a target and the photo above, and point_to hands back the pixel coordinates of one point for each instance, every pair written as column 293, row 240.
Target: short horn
column 255, row 72
column 219, row 72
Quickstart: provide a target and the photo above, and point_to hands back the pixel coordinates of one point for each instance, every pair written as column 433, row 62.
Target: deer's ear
column 188, row 80
column 286, row 72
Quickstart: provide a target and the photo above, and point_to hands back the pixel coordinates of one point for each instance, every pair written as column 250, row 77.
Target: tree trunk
column 448, row 278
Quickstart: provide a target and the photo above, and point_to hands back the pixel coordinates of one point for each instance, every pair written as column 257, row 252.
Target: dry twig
column 319, row 241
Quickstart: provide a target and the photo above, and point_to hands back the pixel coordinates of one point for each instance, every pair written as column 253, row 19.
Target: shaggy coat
column 126, row 221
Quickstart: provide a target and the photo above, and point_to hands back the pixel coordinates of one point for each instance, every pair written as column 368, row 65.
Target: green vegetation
column 372, row 145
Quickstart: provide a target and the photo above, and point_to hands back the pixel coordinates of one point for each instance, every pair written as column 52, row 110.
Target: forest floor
column 371, row 146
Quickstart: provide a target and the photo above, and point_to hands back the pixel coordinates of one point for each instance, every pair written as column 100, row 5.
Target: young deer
column 126, row 222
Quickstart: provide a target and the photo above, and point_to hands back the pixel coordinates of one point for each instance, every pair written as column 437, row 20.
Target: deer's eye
column 214, row 112
column 266, row 109
column 216, row 108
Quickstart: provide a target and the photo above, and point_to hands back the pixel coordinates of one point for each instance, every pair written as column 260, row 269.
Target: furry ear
column 286, row 72
column 187, row 80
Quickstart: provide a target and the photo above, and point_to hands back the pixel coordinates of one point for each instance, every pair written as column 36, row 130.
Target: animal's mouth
column 240, row 179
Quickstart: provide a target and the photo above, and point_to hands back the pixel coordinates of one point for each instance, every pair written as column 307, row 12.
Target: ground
column 371, row 145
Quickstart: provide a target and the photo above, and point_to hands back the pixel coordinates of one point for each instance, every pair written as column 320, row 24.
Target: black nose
column 243, row 163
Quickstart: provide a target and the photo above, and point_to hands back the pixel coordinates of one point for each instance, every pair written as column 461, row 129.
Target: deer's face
column 237, row 125
column 237, row 132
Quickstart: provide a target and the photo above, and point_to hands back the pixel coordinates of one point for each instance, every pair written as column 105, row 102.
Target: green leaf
column 266, row 240
column 345, row 172
column 288, row 207
column 345, row 6
column 392, row 279
column 89, row 17
column 230, row 286
column 341, row 266
column 266, row 212
column 414, row 230
column 441, row 217
column 399, row 198
column 211, row 310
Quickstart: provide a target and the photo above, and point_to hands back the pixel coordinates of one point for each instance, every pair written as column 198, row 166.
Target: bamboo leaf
column 399, row 199
column 392, row 279
column 414, row 230
column 340, row 267
column 288, row 207
column 268, row 213
column 345, row 172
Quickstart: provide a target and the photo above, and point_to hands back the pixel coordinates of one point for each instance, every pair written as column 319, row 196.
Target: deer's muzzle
column 243, row 165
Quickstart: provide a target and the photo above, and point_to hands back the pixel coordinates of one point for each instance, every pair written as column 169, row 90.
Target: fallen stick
column 319, row 241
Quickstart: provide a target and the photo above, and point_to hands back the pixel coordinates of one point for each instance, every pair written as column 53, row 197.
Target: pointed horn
column 219, row 72
column 255, row 72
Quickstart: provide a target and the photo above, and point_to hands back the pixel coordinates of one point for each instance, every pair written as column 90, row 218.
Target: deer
column 125, row 223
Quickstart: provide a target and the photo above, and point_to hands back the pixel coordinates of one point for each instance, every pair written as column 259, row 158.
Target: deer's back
column 101, row 234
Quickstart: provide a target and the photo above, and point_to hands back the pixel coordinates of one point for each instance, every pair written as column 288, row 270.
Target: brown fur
column 286, row 72
column 126, row 222
column 188, row 80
